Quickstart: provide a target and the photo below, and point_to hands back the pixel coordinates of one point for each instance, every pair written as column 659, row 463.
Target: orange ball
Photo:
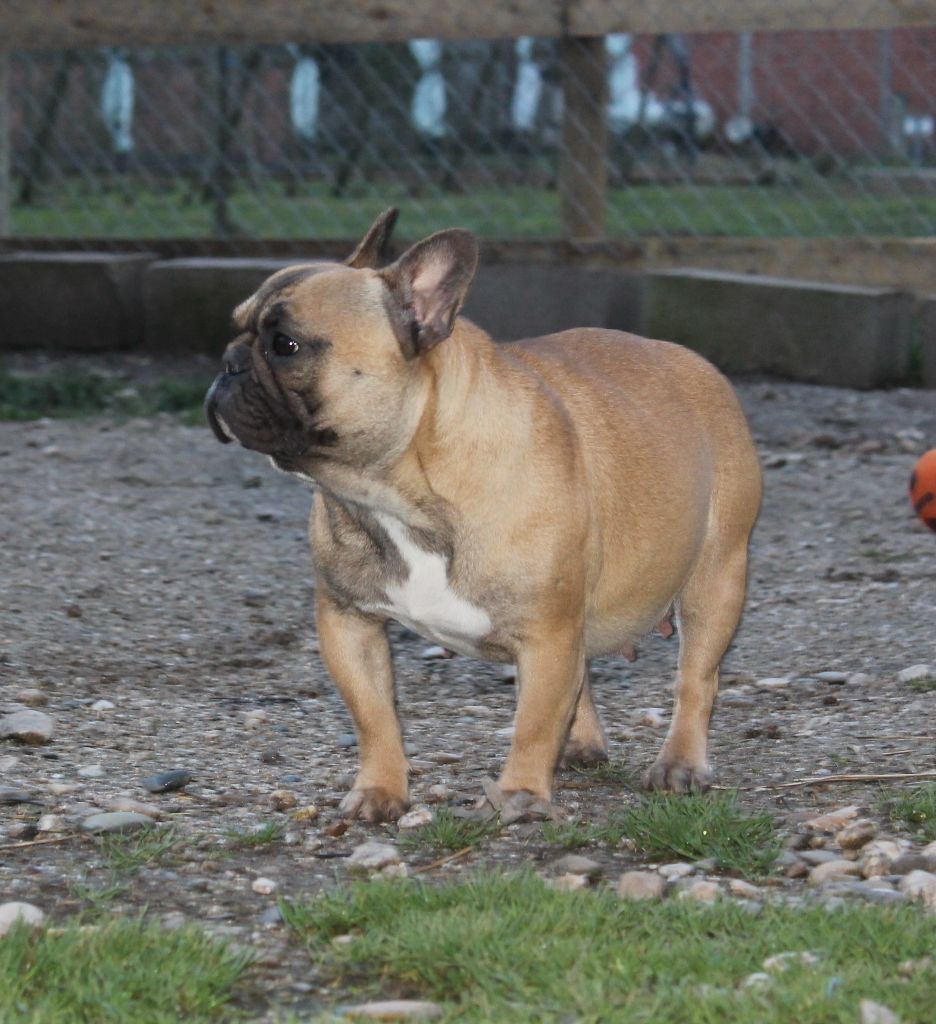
column 923, row 488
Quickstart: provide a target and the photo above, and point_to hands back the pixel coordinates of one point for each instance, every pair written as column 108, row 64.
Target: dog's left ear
column 428, row 284
column 371, row 252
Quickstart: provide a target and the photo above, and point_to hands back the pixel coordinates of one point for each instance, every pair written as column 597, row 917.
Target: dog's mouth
column 291, row 439
column 220, row 429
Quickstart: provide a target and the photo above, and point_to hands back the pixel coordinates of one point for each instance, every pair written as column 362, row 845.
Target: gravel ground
column 157, row 594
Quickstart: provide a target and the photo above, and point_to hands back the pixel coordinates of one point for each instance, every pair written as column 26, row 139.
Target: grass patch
column 574, row 834
column 98, row 899
column 271, row 832
column 914, row 809
column 123, row 972
column 924, row 685
column 507, row 949
column 497, row 208
column 694, row 827
column 446, row 832
column 75, row 392
column 697, row 827
column 128, row 853
column 611, row 773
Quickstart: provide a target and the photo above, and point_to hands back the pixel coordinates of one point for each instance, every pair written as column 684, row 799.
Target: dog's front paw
column 582, row 755
column 678, row 776
column 373, row 803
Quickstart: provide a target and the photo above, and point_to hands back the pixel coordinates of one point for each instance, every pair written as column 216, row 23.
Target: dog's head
column 326, row 361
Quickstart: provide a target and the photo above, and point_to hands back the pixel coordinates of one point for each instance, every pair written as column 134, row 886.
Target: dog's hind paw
column 580, row 755
column 373, row 804
column 678, row 777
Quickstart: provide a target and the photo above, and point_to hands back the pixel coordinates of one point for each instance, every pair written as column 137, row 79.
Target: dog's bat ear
column 429, row 283
column 371, row 252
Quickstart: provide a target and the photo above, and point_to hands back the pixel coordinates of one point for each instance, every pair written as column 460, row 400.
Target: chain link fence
column 794, row 134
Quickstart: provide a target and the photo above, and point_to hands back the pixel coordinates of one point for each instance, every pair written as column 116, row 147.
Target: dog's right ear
column 428, row 284
column 371, row 252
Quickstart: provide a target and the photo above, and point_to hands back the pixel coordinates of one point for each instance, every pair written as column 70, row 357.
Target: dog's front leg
column 551, row 672
column 357, row 654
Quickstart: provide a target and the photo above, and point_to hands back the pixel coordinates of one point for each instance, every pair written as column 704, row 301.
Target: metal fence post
column 583, row 160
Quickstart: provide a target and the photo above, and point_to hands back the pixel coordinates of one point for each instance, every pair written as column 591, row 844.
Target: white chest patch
column 425, row 601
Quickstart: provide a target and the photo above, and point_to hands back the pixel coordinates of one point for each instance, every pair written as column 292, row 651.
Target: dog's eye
column 283, row 345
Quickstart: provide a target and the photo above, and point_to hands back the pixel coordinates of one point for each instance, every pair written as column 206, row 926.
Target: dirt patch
column 147, row 566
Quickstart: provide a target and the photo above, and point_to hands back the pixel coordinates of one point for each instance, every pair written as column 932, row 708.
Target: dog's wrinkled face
column 299, row 367
column 325, row 364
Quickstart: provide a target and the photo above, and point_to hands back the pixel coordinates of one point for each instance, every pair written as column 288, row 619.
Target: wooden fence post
column 6, row 145
column 583, row 160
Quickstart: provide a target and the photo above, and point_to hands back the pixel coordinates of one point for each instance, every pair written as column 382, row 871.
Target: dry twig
column 442, row 860
column 35, row 842
column 874, row 777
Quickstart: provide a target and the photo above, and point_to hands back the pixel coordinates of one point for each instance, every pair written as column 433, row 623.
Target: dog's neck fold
column 459, row 382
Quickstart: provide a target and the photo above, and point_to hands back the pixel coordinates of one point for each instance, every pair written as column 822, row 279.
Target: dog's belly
column 425, row 601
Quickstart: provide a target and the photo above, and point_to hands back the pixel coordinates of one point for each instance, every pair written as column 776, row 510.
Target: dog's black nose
column 236, row 357
column 234, row 366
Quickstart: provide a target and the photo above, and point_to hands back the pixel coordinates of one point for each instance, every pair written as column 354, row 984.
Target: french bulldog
column 539, row 503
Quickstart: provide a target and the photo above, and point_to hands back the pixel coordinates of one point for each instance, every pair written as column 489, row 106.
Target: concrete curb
column 187, row 304
column 926, row 338
column 819, row 333
column 89, row 302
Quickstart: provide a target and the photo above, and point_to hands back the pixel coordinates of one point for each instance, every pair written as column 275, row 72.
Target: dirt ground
column 145, row 565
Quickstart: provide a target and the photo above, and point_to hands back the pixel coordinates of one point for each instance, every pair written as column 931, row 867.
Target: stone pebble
column 34, row 728
column 166, row 782
column 700, row 890
column 575, row 864
column 373, row 856
column 920, row 886
column 116, row 821
column 15, row 795
column 640, row 885
column 15, row 912
column 915, row 673
column 822, row 873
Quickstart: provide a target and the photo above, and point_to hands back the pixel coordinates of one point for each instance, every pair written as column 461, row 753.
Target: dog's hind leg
column 586, row 743
column 708, row 612
column 551, row 670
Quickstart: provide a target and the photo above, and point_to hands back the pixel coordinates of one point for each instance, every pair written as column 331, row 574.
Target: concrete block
column 525, row 300
column 926, row 338
column 84, row 301
column 820, row 333
column 188, row 303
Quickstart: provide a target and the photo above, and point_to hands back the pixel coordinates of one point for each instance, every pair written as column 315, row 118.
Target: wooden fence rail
column 56, row 24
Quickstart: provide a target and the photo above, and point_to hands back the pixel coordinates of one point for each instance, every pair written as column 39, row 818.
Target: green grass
column 702, row 826
column 75, row 392
column 694, row 827
column 925, row 685
column 501, row 949
column 271, row 832
column 914, row 809
column 446, row 832
column 610, row 773
column 128, row 853
column 575, row 834
column 98, row 899
column 814, row 209
column 122, row 972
